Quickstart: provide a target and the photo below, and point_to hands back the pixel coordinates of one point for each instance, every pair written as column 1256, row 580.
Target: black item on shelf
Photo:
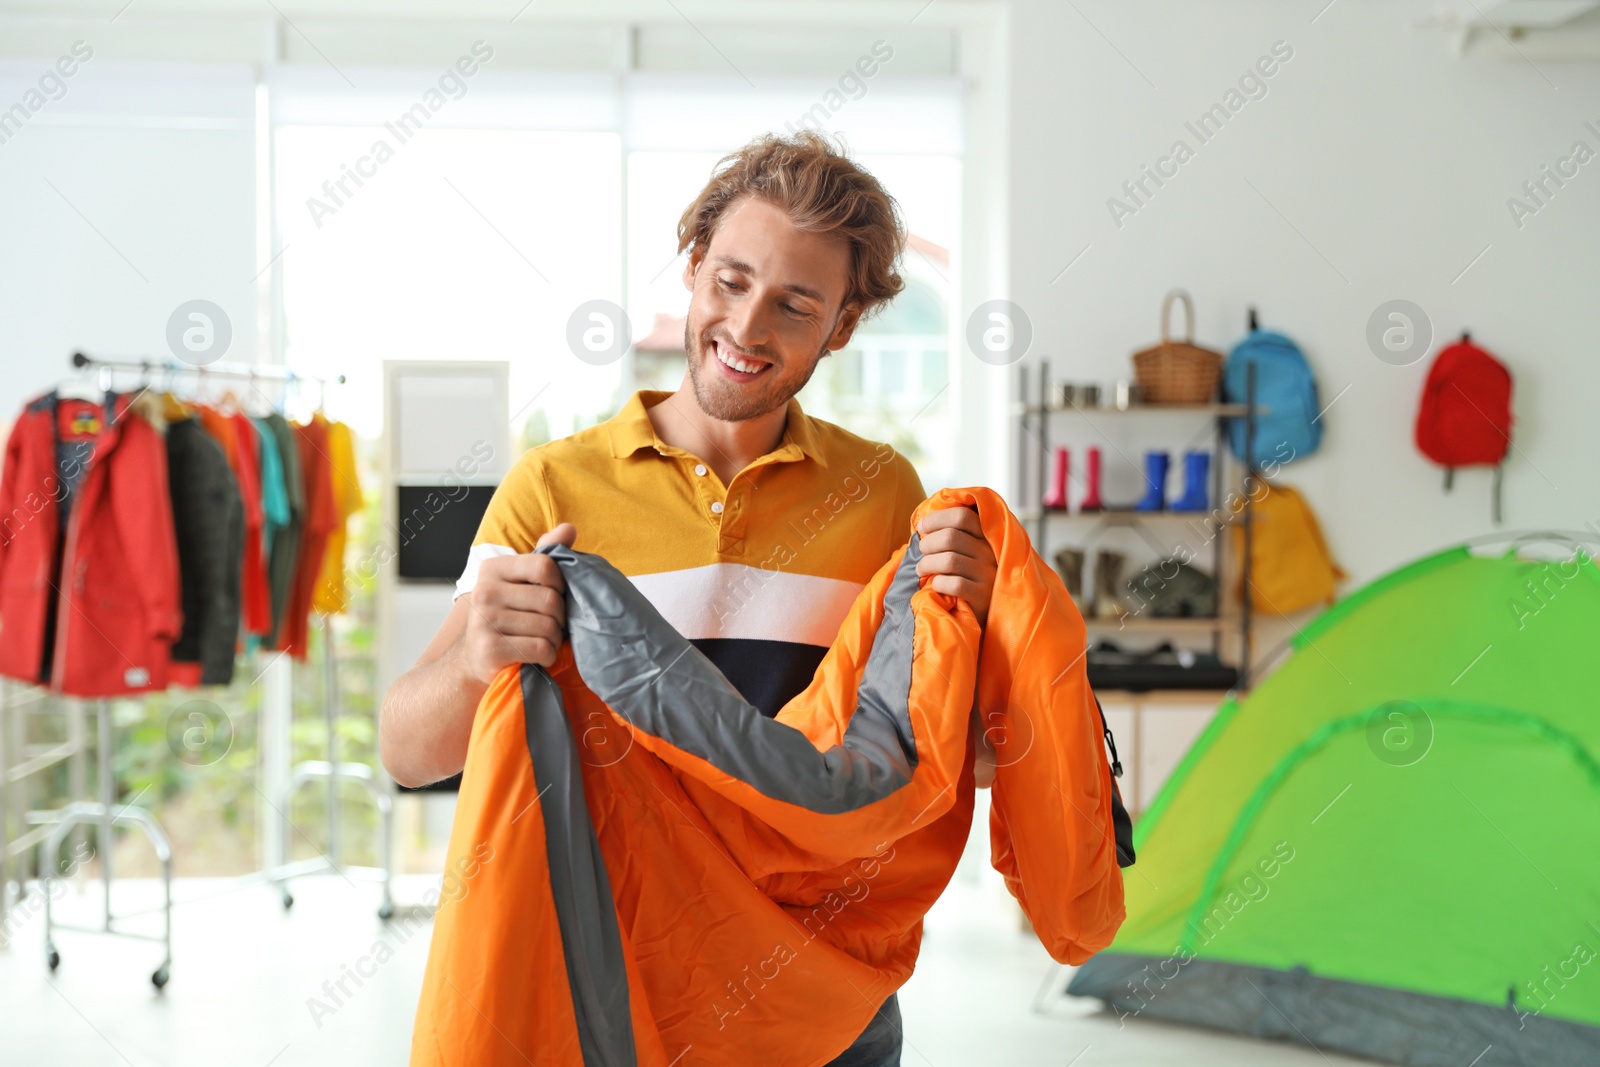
column 1171, row 589
column 1163, row 667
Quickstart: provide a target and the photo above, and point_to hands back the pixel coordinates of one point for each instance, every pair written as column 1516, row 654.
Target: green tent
column 1391, row 847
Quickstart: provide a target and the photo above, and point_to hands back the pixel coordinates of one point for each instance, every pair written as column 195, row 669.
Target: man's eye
column 728, row 284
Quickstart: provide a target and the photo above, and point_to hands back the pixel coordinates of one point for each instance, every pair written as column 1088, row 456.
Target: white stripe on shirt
column 728, row 600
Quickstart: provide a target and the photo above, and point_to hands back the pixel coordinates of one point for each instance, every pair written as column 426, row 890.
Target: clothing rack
column 332, row 772
column 20, row 761
column 106, row 815
column 248, row 371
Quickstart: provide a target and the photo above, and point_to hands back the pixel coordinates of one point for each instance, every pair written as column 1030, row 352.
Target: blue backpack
column 1289, row 429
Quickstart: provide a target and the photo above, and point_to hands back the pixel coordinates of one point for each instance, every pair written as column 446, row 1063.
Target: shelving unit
column 1033, row 452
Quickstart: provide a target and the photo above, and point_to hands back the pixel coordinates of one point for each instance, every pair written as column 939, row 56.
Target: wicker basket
column 1177, row 372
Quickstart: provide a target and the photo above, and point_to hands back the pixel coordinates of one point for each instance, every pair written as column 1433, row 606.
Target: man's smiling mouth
column 742, row 364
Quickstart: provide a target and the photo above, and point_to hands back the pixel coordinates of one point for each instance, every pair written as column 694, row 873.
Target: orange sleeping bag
column 646, row 871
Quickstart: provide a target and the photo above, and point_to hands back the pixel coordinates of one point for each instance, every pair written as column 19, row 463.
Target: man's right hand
column 518, row 612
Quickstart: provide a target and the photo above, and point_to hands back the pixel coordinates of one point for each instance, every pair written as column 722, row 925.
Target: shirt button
column 700, row 469
column 716, row 507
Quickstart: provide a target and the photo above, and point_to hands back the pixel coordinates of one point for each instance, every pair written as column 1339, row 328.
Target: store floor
column 245, row 974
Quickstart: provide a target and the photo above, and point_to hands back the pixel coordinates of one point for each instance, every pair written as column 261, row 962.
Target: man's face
column 765, row 307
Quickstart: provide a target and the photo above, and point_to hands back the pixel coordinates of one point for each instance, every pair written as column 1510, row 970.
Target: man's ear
column 697, row 256
column 845, row 328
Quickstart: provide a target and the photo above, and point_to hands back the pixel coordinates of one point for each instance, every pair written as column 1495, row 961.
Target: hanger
column 206, row 390
column 174, row 409
column 291, row 380
column 80, row 387
column 276, row 402
column 172, row 405
column 93, row 383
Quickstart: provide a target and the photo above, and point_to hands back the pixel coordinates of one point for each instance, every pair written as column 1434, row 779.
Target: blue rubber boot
column 1196, row 476
column 1155, row 481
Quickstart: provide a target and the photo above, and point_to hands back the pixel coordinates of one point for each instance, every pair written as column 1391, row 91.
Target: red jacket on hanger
column 32, row 491
column 321, row 515
column 109, row 609
column 238, row 444
column 257, row 598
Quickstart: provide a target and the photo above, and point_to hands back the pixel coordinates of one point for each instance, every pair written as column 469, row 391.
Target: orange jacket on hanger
column 645, row 870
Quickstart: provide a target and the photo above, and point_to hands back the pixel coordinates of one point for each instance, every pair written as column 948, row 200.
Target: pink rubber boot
column 1056, row 498
column 1091, row 494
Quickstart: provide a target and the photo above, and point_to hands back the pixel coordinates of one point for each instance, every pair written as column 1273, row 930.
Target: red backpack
column 1464, row 419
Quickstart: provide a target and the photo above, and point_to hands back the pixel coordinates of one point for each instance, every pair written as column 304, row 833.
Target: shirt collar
column 631, row 430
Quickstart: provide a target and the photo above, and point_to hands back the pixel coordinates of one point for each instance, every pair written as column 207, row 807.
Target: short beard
column 721, row 401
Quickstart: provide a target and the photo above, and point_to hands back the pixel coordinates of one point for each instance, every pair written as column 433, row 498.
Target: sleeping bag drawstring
column 1111, row 742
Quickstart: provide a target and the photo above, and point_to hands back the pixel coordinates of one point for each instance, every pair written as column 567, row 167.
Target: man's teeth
column 738, row 364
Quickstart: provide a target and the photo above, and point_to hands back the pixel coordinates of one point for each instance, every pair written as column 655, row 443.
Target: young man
column 748, row 524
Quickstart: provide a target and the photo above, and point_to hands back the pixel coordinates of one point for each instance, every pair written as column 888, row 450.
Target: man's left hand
column 957, row 554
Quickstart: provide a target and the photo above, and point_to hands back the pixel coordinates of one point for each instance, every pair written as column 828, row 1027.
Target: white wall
column 1393, row 159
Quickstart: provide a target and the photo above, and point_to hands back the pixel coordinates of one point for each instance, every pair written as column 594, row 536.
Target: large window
column 466, row 244
column 478, row 237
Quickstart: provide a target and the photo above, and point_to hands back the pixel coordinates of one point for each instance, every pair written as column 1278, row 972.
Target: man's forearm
column 427, row 720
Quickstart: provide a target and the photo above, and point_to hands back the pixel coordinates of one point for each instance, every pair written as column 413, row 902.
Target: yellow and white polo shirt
column 758, row 574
